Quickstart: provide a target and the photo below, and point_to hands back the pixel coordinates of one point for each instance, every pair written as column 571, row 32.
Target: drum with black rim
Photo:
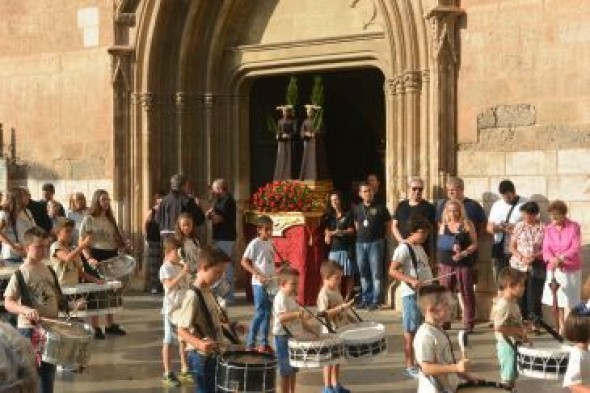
column 246, row 372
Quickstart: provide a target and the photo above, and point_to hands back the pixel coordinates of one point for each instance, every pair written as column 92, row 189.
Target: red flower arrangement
column 283, row 196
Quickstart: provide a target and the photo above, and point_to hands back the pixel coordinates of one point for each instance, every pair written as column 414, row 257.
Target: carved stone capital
column 398, row 85
column 125, row 19
column 412, row 81
column 425, row 76
column 389, row 87
column 443, row 32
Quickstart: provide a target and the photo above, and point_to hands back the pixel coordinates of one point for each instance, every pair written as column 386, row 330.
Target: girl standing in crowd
column 457, row 241
column 561, row 252
column 339, row 235
column 106, row 240
column 76, row 212
column 526, row 248
column 15, row 219
column 186, row 233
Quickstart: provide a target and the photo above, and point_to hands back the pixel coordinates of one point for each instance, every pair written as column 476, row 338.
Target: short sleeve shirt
column 578, row 368
column 473, row 209
column 42, row 291
column 402, row 256
column 529, row 241
column 261, row 253
column 370, row 222
column 498, row 214
column 404, row 211
column 104, row 233
column 328, row 299
column 346, row 221
column 15, row 232
column 173, row 296
column 68, row 273
column 432, row 345
column 190, row 316
column 284, row 303
column 505, row 313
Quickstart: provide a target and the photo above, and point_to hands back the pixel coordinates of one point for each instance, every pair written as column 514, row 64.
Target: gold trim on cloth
column 284, row 220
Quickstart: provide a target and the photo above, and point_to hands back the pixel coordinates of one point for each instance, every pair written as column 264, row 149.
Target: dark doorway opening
column 354, row 119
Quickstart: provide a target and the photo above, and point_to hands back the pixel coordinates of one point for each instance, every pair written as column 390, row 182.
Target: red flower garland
column 283, row 196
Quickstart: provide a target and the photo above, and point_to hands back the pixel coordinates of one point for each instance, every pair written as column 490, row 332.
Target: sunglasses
column 417, row 189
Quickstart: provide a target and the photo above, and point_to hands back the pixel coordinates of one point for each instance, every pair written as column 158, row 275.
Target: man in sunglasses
column 413, row 205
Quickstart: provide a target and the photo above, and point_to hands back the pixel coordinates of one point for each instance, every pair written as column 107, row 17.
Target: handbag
column 498, row 248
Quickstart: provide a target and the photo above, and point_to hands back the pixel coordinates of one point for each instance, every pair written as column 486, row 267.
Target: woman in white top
column 106, row 241
column 15, row 219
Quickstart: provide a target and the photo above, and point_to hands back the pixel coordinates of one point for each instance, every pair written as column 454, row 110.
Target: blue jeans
column 227, row 246
column 370, row 264
column 46, row 370
column 203, row 370
column 261, row 318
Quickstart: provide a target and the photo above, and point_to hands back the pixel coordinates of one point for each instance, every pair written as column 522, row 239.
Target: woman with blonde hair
column 456, row 245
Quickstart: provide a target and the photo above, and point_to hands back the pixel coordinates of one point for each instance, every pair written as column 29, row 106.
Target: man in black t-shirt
column 414, row 205
column 372, row 222
column 223, row 219
column 176, row 202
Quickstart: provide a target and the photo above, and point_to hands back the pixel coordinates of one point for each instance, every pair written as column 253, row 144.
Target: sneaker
column 115, row 330
column 170, row 379
column 98, row 334
column 373, row 307
column 185, row 378
column 411, row 372
column 340, row 389
column 265, row 349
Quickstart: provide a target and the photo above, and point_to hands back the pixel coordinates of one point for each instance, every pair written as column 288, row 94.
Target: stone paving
column 132, row 363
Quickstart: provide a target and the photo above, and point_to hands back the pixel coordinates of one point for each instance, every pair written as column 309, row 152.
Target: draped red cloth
column 305, row 256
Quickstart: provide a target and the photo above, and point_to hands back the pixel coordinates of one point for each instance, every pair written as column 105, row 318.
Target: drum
column 5, row 274
column 119, row 268
column 543, row 362
column 94, row 299
column 363, row 341
column 246, row 372
column 315, row 352
column 67, row 344
column 483, row 387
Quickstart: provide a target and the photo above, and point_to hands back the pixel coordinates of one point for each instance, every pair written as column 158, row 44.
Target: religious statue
column 313, row 163
column 286, row 131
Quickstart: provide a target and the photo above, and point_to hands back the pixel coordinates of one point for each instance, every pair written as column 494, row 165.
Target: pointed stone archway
column 182, row 73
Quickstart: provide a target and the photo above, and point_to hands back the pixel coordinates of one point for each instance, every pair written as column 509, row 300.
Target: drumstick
column 65, row 323
column 463, row 339
column 436, row 278
column 320, row 320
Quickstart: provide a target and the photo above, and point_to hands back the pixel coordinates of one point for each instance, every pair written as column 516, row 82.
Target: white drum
column 119, row 268
column 363, row 341
column 315, row 352
column 67, row 344
column 93, row 299
column 543, row 361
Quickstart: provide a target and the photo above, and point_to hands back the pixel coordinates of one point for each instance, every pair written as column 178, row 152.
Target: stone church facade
column 120, row 94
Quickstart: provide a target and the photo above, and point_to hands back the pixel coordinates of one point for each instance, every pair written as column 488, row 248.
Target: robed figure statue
column 286, row 131
column 313, row 163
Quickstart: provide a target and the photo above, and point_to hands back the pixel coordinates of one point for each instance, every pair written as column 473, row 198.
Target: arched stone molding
column 190, row 57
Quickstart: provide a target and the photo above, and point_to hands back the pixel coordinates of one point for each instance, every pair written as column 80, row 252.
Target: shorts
column 170, row 337
column 282, row 354
column 411, row 316
column 507, row 360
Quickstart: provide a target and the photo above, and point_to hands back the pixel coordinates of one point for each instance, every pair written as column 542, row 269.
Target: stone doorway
column 354, row 120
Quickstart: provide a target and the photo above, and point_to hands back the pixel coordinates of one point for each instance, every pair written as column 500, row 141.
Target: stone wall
column 55, row 91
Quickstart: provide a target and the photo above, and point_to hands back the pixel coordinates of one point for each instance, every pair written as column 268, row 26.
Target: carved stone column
column 412, row 82
column 443, row 20
column 209, row 100
column 427, row 145
column 391, row 144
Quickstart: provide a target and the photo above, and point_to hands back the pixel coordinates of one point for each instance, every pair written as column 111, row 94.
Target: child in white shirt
column 175, row 277
column 577, row 330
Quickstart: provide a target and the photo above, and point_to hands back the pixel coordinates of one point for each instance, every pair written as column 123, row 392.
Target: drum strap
column 26, row 299
column 413, row 258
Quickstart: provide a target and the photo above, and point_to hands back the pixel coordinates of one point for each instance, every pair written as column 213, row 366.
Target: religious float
column 296, row 198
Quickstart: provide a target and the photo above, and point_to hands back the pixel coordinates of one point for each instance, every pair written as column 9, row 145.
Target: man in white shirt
column 505, row 213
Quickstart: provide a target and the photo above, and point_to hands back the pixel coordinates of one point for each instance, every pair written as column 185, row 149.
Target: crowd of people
column 434, row 262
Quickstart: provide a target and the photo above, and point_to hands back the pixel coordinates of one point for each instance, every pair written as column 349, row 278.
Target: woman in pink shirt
column 561, row 253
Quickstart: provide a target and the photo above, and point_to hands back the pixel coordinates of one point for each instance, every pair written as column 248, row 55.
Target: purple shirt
column 563, row 243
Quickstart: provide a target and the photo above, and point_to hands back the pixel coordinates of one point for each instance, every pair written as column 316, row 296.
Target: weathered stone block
column 525, row 185
column 515, row 115
column 481, row 163
column 486, row 118
column 572, row 161
column 531, row 162
column 569, row 188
